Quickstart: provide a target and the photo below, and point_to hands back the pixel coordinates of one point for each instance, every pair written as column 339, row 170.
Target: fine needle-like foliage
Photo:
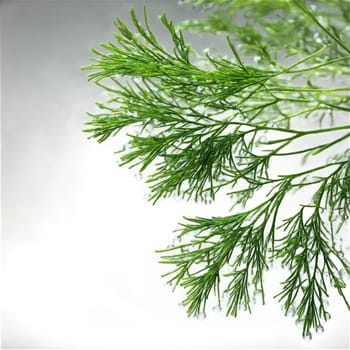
column 200, row 124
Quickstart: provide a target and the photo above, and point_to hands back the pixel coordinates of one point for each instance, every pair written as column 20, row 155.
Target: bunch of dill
column 207, row 123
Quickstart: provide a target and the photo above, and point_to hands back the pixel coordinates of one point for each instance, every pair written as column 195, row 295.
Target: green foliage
column 200, row 124
column 268, row 26
column 312, row 261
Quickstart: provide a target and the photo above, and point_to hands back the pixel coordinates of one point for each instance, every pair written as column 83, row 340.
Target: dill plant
column 206, row 123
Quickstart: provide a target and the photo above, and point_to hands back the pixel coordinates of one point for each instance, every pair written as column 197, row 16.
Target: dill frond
column 207, row 123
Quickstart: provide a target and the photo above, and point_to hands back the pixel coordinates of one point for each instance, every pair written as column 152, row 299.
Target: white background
column 79, row 267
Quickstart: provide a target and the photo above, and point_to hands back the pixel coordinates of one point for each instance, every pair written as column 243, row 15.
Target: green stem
column 307, row 58
column 318, row 66
column 295, row 175
column 302, row 89
column 324, row 147
column 318, row 131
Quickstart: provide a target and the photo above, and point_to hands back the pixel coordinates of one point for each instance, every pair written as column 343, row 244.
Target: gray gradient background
column 78, row 239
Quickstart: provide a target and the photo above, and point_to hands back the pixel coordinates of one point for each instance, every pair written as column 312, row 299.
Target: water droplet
column 201, row 316
column 327, row 316
column 192, row 317
column 317, row 38
column 206, row 51
column 138, row 176
column 283, row 308
column 147, row 197
column 307, row 336
column 207, row 201
column 176, row 240
column 169, row 284
column 126, row 147
column 181, row 305
column 177, row 197
column 217, row 308
column 263, row 139
column 137, row 80
column 256, row 58
column 319, row 329
column 291, row 311
column 106, row 94
column 299, row 323
column 243, row 307
column 225, row 295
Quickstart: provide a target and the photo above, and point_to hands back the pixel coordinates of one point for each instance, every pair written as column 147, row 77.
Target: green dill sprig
column 239, row 242
column 199, row 124
column 314, row 264
column 269, row 25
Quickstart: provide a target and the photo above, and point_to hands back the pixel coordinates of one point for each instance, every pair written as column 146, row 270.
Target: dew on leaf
column 307, row 336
